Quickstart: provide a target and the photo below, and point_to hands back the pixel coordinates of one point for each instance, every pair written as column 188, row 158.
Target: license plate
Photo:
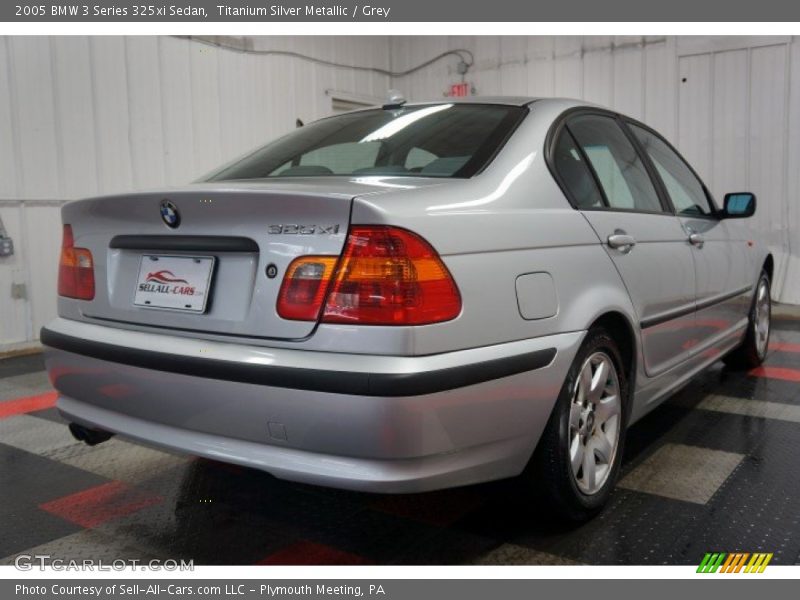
column 174, row 282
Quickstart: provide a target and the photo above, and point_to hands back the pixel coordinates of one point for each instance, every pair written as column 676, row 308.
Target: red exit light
column 459, row 90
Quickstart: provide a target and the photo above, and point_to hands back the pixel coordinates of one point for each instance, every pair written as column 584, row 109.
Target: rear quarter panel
column 508, row 221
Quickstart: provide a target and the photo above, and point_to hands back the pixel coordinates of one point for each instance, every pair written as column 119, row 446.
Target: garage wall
column 81, row 116
column 730, row 104
column 103, row 114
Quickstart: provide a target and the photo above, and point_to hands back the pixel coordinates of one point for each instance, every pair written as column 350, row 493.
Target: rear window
column 440, row 140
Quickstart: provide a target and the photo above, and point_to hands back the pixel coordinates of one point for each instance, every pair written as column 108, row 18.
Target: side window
column 574, row 173
column 621, row 172
column 684, row 189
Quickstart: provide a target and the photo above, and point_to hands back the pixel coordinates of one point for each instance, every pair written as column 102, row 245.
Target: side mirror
column 739, row 205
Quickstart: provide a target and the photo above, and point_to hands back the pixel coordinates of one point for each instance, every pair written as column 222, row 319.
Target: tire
column 571, row 432
column 753, row 349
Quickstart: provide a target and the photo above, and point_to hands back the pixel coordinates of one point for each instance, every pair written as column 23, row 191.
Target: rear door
column 719, row 253
column 614, row 189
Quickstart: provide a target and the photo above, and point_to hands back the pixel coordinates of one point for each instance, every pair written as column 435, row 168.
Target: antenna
column 394, row 99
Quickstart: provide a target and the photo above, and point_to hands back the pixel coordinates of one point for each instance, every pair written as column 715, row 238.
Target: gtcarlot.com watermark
column 29, row 562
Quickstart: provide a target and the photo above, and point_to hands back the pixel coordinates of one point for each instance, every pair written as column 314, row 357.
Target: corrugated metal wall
column 730, row 104
column 81, row 116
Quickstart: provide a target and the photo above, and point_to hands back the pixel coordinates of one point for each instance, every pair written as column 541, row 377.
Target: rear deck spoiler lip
column 317, row 380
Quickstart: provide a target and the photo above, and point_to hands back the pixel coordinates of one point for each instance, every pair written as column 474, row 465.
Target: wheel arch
column 769, row 267
column 621, row 330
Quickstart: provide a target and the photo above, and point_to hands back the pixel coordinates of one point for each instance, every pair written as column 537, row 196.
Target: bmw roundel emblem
column 170, row 214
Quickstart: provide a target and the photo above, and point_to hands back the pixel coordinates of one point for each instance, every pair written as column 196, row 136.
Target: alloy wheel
column 594, row 423
column 761, row 318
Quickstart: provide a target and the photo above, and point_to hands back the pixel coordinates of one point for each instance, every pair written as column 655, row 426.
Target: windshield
column 441, row 140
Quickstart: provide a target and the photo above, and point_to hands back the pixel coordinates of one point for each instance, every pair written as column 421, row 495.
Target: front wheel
column 577, row 460
column 753, row 349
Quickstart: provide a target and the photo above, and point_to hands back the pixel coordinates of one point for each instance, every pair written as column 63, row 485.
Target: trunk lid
column 243, row 227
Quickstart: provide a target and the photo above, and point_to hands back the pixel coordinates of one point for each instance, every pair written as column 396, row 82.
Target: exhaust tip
column 90, row 437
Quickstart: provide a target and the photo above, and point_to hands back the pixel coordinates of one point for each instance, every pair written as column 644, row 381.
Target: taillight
column 75, row 269
column 385, row 276
column 304, row 287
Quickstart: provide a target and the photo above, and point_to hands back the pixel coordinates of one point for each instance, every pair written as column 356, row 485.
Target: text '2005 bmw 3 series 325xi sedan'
column 411, row 297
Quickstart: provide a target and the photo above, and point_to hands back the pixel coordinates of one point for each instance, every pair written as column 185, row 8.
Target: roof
column 498, row 100
column 510, row 100
column 506, row 100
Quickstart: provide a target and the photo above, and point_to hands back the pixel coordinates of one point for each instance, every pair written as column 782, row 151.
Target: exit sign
column 459, row 90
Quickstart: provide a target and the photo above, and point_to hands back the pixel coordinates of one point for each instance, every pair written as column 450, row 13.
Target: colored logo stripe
column 758, row 563
column 711, row 562
column 734, row 562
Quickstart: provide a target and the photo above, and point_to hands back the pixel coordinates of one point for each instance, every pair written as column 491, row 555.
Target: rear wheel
column 753, row 350
column 577, row 461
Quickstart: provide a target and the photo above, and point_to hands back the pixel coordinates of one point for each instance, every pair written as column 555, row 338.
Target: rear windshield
column 441, row 140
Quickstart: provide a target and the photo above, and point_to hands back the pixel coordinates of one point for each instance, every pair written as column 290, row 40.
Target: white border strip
column 371, row 28
column 267, row 28
column 378, row 573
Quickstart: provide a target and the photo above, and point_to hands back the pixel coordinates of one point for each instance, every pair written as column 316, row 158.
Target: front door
column 718, row 248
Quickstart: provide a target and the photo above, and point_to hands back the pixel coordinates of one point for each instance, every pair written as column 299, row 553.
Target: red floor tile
column 782, row 373
column 18, row 406
column 784, row 347
column 311, row 553
column 99, row 504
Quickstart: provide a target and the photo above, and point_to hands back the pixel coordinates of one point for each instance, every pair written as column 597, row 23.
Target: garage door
column 732, row 110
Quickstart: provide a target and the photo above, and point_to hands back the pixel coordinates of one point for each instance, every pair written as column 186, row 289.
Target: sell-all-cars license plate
column 174, row 282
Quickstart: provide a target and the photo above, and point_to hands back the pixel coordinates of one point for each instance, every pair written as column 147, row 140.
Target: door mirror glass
column 739, row 205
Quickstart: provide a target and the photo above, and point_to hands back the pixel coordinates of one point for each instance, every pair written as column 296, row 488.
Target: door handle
column 622, row 242
column 695, row 239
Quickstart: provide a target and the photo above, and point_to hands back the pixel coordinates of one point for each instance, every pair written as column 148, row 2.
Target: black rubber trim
column 717, row 299
column 625, row 121
column 668, row 316
column 315, row 380
column 681, row 312
column 184, row 243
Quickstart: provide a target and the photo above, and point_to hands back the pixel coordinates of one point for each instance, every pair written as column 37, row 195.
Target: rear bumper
column 375, row 423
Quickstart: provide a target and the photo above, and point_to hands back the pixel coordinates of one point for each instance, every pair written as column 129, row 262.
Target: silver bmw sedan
column 411, row 297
